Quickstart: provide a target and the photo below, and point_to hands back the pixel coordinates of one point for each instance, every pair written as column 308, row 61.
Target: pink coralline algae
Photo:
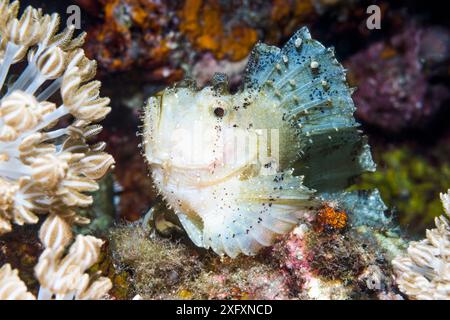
column 397, row 89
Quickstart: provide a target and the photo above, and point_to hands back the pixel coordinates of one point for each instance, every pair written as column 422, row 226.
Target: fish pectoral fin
column 193, row 227
column 282, row 189
column 260, row 213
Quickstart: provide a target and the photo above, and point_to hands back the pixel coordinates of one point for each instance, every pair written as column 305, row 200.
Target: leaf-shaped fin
column 266, row 206
column 331, row 161
column 307, row 82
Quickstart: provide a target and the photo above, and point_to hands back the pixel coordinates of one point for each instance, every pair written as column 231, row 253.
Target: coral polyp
column 62, row 276
column 424, row 273
column 49, row 109
column 45, row 167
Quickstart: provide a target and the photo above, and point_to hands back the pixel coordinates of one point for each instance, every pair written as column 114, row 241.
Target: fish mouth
column 191, row 174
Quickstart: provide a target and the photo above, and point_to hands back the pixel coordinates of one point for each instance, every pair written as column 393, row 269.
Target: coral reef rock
column 135, row 34
column 346, row 263
column 397, row 89
column 167, row 38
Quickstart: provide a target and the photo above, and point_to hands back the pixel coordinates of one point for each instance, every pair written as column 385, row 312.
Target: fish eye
column 219, row 112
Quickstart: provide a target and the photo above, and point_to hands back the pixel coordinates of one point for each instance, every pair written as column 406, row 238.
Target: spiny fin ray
column 309, row 84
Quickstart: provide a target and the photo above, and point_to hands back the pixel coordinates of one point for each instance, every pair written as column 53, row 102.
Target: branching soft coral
column 11, row 287
column 62, row 276
column 424, row 273
column 43, row 168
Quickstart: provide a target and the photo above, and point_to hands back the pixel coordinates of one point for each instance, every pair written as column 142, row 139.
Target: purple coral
column 394, row 79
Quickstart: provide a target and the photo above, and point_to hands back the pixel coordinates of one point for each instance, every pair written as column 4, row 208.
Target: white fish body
column 224, row 162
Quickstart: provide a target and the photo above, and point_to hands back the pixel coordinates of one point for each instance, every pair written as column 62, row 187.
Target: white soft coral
column 424, row 273
column 61, row 275
column 47, row 168
column 44, row 168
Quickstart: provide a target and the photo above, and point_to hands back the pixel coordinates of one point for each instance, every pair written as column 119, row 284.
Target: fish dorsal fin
column 306, row 80
column 264, row 207
column 308, row 84
column 262, row 64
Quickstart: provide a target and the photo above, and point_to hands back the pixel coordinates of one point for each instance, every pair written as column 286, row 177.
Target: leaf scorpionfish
column 240, row 169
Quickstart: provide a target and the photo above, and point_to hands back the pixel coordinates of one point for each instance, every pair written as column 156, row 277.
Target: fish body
column 239, row 169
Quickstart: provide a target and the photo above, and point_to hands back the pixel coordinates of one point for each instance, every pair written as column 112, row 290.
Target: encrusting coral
column 135, row 33
column 229, row 29
column 201, row 21
column 401, row 88
column 167, row 38
column 46, row 169
column 424, row 273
